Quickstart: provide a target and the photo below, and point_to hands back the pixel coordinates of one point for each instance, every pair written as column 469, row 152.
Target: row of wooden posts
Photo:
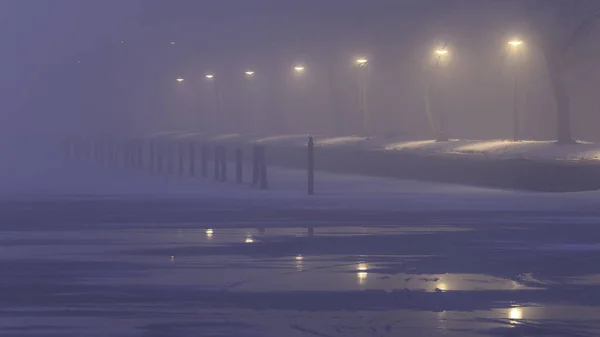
column 160, row 158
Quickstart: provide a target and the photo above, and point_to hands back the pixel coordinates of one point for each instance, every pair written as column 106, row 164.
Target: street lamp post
column 363, row 64
column 441, row 132
column 515, row 46
column 248, row 120
column 217, row 110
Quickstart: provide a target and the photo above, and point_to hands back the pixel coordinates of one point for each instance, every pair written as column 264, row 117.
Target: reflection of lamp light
column 362, row 273
column 515, row 313
column 442, row 286
column 249, row 239
column 172, row 258
column 299, row 257
column 209, row 233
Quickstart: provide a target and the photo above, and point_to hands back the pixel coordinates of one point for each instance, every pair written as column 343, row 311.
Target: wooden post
column 151, row 156
column 255, row 165
column 223, row 163
column 311, row 166
column 160, row 155
column 192, row 159
column 180, row 153
column 141, row 154
column 204, row 160
column 264, row 184
column 239, row 174
column 217, row 158
column 170, row 158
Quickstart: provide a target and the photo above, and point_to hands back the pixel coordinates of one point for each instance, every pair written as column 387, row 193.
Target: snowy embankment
column 528, row 165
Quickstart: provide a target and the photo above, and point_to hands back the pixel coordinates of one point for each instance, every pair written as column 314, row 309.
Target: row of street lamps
column 362, row 62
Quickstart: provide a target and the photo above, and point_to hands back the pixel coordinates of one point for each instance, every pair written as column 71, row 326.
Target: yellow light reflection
column 515, row 314
column 441, row 52
column 209, row 233
column 299, row 262
column 362, row 61
column 249, row 239
column 442, row 286
column 362, row 273
column 299, row 69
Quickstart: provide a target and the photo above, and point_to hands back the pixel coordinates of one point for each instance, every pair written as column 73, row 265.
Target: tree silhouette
column 559, row 26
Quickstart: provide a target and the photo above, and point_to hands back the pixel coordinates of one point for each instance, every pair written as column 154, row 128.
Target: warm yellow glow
column 180, row 79
column 515, row 43
column 362, row 266
column 249, row 239
column 209, row 233
column 299, row 68
column 442, row 286
column 441, row 52
column 249, row 73
column 515, row 313
column 299, row 258
column 361, row 61
column 209, row 76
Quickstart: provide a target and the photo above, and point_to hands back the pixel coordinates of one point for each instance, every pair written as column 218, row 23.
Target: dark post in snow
column 204, row 159
column 169, row 147
column 223, row 163
column 151, row 156
column 311, row 166
column 180, row 152
column 263, row 169
column 217, row 158
column 192, row 159
column 239, row 173
column 159, row 156
column 255, row 166
column 140, row 149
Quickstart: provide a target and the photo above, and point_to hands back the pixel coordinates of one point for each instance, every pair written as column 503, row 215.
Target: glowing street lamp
column 441, row 52
column 180, row 79
column 249, row 73
column 299, row 69
column 361, row 61
column 515, row 43
column 209, row 76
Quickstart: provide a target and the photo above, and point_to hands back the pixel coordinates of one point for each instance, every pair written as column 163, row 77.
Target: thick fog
column 111, row 68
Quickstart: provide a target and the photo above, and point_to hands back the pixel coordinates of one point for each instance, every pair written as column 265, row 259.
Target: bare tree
column 559, row 26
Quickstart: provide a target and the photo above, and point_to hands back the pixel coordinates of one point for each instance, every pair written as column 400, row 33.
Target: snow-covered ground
column 91, row 250
column 493, row 149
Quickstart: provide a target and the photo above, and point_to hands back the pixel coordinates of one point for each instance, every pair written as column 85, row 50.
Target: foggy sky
column 129, row 87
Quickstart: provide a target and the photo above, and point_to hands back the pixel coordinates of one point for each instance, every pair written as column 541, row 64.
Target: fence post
column 204, row 160
column 180, row 156
column 170, row 158
column 223, row 163
column 217, row 158
column 255, row 166
column 140, row 154
column 192, row 159
column 263, row 169
column 151, row 156
column 239, row 173
column 311, row 166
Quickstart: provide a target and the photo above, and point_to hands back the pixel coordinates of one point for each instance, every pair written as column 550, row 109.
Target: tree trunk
column 561, row 97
